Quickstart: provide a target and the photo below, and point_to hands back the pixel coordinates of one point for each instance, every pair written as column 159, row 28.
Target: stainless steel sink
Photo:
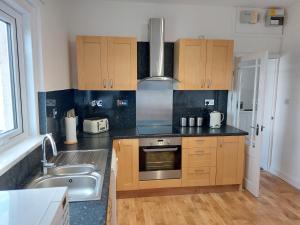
column 79, row 169
column 82, row 171
column 80, row 187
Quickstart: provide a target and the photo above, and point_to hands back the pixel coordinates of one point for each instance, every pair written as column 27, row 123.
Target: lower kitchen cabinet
column 206, row 161
column 199, row 161
column 210, row 161
column 230, row 160
column 128, row 164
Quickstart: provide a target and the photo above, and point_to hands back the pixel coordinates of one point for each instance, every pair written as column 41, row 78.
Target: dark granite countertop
column 94, row 212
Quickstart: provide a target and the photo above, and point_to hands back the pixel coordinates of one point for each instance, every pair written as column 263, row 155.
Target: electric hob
column 157, row 130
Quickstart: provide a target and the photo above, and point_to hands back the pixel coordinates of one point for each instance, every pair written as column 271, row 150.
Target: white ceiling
column 248, row 3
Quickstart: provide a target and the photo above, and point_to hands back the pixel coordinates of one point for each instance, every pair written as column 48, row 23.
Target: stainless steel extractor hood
column 157, row 39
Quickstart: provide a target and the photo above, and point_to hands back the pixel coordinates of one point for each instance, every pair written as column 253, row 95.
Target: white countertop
column 30, row 206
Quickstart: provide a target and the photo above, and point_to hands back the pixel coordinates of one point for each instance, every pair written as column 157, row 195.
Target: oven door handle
column 160, row 149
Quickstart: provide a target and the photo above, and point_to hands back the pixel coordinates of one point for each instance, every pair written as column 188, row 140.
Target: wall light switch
column 209, row 102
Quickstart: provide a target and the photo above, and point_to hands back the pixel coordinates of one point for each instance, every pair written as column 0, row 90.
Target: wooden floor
column 279, row 204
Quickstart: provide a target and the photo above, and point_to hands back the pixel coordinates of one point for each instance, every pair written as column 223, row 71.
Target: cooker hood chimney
column 157, row 39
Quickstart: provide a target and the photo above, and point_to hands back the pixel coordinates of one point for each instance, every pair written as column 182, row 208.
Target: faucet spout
column 54, row 151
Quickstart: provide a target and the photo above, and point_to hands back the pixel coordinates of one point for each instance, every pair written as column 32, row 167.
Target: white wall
column 286, row 146
column 55, row 49
column 98, row 17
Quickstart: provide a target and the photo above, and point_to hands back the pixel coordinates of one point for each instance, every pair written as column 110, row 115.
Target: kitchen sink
column 82, row 171
column 80, row 187
column 79, row 169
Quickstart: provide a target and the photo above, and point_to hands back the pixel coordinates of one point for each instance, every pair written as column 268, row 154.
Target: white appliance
column 216, row 118
column 95, row 125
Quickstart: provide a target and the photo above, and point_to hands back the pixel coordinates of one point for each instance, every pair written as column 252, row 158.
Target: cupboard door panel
column 230, row 160
column 122, row 55
column 91, row 63
column 127, row 155
column 190, row 55
column 219, row 67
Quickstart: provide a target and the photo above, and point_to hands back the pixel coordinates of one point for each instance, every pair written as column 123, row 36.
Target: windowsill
column 15, row 154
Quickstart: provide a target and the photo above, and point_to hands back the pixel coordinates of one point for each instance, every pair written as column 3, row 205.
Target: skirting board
column 295, row 183
column 176, row 191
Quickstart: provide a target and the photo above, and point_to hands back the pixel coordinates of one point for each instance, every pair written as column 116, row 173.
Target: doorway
column 252, row 108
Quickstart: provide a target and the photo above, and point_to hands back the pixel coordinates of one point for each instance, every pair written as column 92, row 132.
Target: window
column 11, row 124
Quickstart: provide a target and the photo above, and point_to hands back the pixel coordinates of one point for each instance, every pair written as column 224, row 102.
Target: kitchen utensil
column 192, row 121
column 199, row 121
column 183, row 121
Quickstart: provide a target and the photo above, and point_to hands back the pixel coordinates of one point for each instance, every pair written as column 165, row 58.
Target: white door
column 269, row 113
column 251, row 71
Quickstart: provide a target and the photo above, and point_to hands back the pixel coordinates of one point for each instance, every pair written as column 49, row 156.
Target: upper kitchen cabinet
column 190, row 61
column 122, row 63
column 106, row 63
column 91, row 63
column 204, row 64
column 219, row 64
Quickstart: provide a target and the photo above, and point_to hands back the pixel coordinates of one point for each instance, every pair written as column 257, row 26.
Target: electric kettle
column 216, row 118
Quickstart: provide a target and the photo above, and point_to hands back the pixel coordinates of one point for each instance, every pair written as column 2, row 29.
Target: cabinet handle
column 209, row 82
column 110, row 83
column 199, row 152
column 104, row 83
column 202, row 83
column 201, row 171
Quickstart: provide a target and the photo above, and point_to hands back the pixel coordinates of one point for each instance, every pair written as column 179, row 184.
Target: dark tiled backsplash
column 118, row 116
column 14, row 177
column 53, row 106
column 192, row 103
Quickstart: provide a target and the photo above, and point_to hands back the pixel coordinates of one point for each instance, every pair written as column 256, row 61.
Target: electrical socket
column 209, row 102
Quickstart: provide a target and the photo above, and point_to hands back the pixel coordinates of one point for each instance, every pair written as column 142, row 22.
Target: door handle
column 257, row 130
column 262, row 128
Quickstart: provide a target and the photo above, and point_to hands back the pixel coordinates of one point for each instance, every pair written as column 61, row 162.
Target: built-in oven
column 159, row 158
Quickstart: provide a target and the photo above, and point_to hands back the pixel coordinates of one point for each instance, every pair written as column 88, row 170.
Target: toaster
column 95, row 125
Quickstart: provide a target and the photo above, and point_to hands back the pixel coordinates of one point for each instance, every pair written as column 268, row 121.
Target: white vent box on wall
column 249, row 16
column 275, row 17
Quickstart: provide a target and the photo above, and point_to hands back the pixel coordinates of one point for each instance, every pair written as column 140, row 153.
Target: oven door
column 159, row 162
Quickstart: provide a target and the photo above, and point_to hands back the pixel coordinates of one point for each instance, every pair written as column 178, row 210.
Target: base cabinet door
column 230, row 160
column 127, row 160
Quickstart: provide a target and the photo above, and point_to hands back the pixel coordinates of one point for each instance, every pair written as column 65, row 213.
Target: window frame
column 19, row 134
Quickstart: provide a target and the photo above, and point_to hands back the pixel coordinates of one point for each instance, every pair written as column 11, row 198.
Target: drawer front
column 201, row 176
column 229, row 139
column 194, row 142
column 198, row 157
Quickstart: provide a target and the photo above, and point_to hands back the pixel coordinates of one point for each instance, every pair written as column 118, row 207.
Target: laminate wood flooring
column 279, row 204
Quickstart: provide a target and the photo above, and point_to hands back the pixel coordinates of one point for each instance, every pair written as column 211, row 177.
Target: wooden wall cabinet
column 106, row 63
column 230, row 160
column 204, row 64
column 128, row 164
